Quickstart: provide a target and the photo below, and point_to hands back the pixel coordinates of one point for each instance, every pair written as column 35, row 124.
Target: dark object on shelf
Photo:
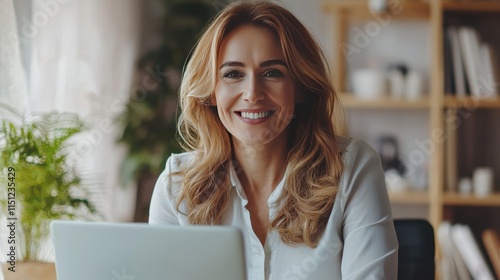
column 401, row 67
column 389, row 154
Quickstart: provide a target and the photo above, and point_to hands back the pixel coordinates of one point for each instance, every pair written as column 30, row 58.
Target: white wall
column 310, row 14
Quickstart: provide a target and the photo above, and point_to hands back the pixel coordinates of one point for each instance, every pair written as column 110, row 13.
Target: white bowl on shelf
column 369, row 84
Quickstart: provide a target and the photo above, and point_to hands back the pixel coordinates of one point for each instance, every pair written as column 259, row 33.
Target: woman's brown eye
column 273, row 74
column 233, row 75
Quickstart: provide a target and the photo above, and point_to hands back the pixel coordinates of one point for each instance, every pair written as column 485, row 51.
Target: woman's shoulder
column 179, row 162
column 163, row 207
column 352, row 148
column 362, row 167
column 174, row 168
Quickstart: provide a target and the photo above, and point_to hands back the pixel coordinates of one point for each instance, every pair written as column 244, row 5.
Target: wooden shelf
column 437, row 13
column 360, row 9
column 350, row 101
column 470, row 102
column 471, row 200
column 409, row 197
column 471, row 6
column 347, row 14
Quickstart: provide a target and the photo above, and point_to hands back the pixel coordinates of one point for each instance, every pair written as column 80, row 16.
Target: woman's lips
column 254, row 117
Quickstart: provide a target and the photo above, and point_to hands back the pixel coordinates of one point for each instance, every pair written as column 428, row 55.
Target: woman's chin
column 263, row 138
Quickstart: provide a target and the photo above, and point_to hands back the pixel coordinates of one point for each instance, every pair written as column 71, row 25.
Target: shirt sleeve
column 163, row 207
column 370, row 242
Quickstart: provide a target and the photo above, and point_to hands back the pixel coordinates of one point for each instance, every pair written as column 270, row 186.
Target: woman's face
column 255, row 93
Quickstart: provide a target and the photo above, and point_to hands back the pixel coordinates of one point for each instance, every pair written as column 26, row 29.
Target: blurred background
column 418, row 81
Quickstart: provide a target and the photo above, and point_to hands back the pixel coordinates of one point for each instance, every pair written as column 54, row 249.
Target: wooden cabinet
column 440, row 204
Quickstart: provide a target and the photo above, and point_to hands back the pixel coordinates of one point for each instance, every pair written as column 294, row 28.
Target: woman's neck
column 262, row 167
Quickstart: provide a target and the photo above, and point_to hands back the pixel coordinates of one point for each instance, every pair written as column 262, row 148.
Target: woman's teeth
column 255, row 116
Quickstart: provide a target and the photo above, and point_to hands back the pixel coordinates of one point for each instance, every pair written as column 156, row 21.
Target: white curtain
column 13, row 88
column 81, row 59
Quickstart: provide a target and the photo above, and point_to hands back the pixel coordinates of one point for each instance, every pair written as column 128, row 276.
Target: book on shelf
column 451, row 150
column 469, row 250
column 449, row 82
column 470, row 57
column 452, row 263
column 457, row 75
column 491, row 241
column 470, row 67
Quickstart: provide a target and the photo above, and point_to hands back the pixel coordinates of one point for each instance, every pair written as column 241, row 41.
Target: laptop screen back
column 114, row 251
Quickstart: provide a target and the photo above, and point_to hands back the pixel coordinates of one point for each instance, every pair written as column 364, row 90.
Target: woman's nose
column 253, row 92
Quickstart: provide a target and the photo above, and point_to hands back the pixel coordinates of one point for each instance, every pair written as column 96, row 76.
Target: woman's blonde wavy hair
column 314, row 159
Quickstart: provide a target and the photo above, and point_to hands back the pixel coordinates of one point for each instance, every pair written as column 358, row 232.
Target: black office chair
column 416, row 249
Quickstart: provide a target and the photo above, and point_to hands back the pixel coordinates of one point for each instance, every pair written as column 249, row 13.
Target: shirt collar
column 278, row 190
column 235, row 182
column 233, row 176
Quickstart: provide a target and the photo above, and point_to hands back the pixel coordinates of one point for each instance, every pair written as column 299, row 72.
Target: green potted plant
column 39, row 184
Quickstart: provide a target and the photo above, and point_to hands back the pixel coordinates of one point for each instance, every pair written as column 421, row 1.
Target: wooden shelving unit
column 471, row 200
column 441, row 204
column 469, row 102
column 472, row 6
column 348, row 100
column 357, row 9
column 409, row 197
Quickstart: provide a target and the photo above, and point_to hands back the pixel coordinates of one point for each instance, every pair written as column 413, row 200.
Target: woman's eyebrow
column 272, row 62
column 231, row 63
column 262, row 64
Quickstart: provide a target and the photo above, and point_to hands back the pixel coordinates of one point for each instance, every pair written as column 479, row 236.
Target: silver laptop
column 120, row 251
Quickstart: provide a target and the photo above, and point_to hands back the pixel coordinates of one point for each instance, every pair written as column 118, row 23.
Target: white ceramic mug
column 465, row 186
column 396, row 82
column 378, row 6
column 369, row 84
column 483, row 181
column 414, row 85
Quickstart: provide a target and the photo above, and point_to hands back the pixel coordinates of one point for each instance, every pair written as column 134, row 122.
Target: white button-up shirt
column 359, row 241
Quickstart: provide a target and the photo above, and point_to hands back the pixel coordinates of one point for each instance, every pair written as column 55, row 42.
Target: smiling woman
column 257, row 116
column 254, row 89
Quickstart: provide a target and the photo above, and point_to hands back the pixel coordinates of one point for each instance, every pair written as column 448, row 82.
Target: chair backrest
column 416, row 249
